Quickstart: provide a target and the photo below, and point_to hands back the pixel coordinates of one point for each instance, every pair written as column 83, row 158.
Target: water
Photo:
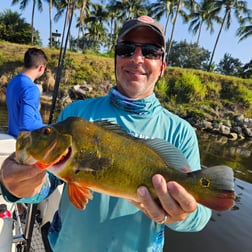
column 228, row 231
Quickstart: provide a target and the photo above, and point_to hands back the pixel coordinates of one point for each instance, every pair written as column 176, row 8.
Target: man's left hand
column 175, row 203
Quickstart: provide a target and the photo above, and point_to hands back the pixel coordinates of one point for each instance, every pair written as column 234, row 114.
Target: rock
column 247, row 122
column 216, row 126
column 233, row 136
column 46, row 99
column 237, row 129
column 239, row 118
column 64, row 101
column 225, row 130
column 205, row 125
column 247, row 131
column 3, row 80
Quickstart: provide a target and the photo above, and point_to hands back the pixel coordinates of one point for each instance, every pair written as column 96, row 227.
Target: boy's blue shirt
column 23, row 101
column 113, row 224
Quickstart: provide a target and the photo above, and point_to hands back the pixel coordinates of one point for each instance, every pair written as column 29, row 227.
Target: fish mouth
column 224, row 201
column 64, row 157
column 58, row 162
column 227, row 194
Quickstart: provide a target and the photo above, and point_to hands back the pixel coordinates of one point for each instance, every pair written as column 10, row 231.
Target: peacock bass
column 101, row 157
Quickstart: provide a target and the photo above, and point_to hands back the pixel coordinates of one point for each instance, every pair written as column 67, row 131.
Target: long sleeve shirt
column 23, row 102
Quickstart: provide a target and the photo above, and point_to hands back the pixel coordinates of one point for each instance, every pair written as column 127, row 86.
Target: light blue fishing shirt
column 112, row 224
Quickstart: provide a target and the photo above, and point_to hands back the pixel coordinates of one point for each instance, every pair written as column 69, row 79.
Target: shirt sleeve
column 195, row 222
column 188, row 144
column 49, row 186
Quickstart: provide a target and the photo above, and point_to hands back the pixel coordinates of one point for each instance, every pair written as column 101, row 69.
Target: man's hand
column 21, row 180
column 175, row 202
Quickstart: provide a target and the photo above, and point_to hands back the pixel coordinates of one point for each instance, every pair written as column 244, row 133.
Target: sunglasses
column 149, row 51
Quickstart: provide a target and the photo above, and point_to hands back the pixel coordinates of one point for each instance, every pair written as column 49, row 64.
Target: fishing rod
column 61, row 59
column 32, row 208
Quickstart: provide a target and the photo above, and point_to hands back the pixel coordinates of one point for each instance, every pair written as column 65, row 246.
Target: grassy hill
column 187, row 92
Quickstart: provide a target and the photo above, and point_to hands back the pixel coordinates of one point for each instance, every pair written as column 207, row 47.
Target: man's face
column 137, row 75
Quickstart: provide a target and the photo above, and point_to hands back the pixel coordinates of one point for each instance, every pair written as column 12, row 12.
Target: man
column 23, row 99
column 23, row 95
column 108, row 223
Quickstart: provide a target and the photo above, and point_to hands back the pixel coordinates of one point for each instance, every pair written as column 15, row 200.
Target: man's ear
column 41, row 68
column 162, row 69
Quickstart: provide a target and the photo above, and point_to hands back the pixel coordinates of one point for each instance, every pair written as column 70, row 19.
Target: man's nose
column 138, row 53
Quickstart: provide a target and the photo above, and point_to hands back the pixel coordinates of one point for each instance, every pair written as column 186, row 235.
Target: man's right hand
column 23, row 181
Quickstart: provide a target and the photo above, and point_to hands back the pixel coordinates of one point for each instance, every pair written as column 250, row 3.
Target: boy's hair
column 34, row 57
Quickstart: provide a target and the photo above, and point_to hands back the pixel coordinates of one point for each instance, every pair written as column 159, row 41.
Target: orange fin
column 79, row 196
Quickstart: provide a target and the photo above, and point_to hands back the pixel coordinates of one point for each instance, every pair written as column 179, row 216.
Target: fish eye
column 47, row 131
column 205, row 182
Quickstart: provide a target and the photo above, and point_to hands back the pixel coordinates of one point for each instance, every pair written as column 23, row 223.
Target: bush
column 237, row 93
column 213, row 90
column 161, row 89
column 189, row 89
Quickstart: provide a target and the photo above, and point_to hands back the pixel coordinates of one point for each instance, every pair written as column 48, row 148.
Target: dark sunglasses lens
column 151, row 52
column 125, row 50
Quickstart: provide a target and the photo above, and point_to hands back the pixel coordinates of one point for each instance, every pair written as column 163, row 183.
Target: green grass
column 183, row 91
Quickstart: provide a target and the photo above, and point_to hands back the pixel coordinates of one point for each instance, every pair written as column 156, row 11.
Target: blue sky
column 228, row 41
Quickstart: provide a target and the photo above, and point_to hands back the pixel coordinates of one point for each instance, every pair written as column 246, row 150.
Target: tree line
column 98, row 23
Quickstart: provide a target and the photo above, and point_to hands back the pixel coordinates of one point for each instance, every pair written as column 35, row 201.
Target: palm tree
column 95, row 26
column 187, row 4
column 203, row 12
column 84, row 10
column 163, row 8
column 178, row 6
column 50, row 21
column 134, row 8
column 72, row 6
column 128, row 9
column 115, row 17
column 116, row 13
column 23, row 5
column 66, row 7
column 245, row 31
column 238, row 7
column 51, row 4
column 171, row 9
column 61, row 6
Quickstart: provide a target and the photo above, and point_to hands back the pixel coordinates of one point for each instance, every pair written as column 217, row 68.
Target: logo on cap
column 146, row 19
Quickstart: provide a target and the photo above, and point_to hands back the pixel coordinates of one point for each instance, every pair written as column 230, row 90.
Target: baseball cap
column 143, row 21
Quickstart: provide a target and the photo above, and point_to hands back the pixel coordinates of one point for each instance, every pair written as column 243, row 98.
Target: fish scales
column 119, row 157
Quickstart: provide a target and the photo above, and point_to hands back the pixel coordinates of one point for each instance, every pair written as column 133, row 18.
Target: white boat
column 7, row 146
column 20, row 238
